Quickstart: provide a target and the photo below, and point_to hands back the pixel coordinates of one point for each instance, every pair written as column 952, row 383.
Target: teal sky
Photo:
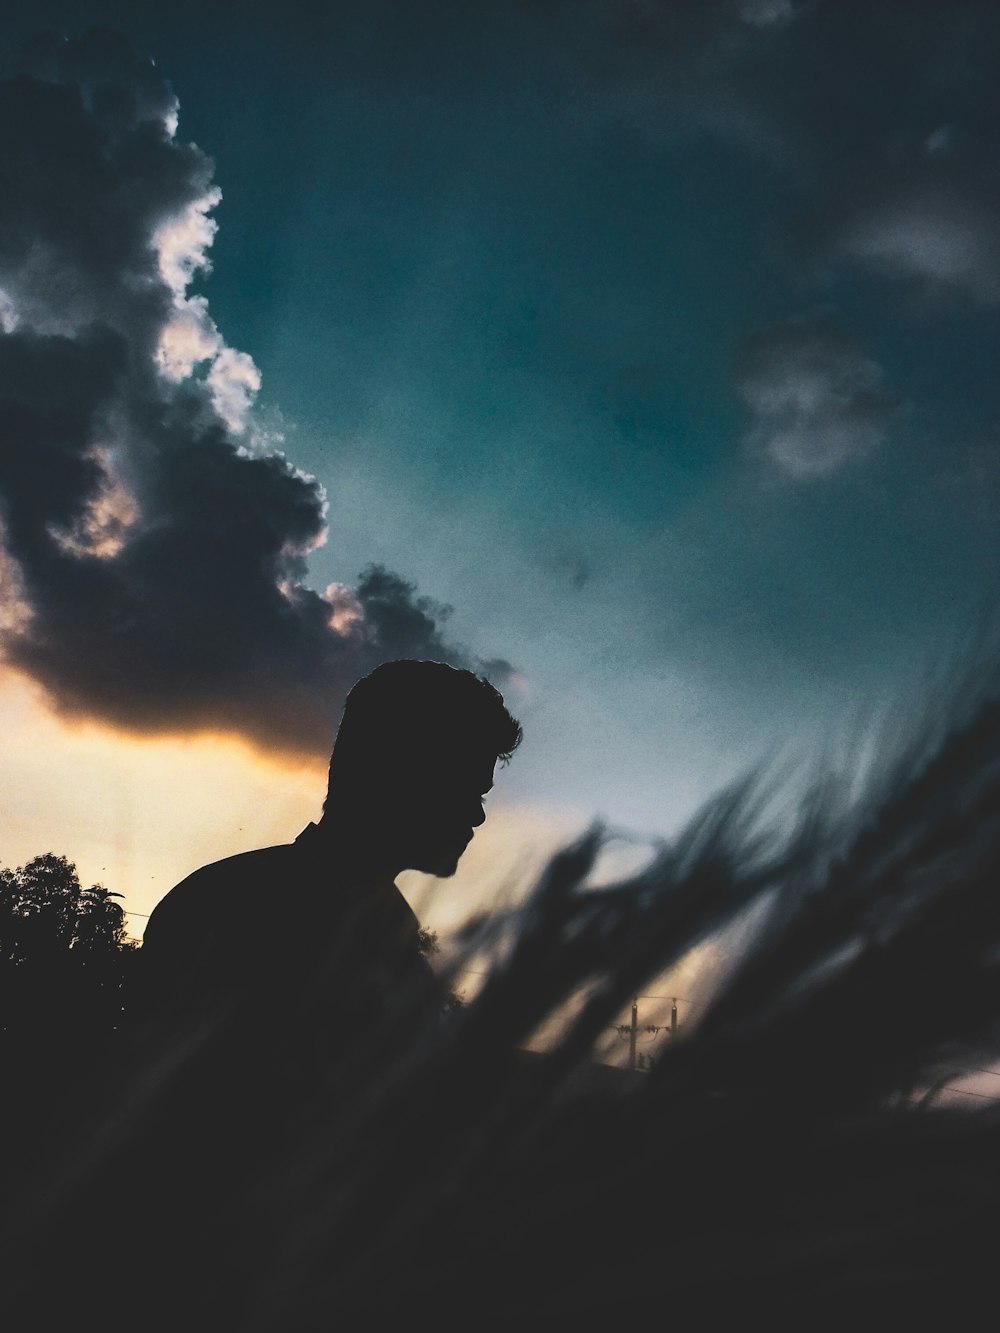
column 658, row 340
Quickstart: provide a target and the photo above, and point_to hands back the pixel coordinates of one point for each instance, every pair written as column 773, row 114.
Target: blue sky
column 658, row 340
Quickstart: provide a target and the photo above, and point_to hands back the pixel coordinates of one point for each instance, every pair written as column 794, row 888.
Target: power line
column 682, row 999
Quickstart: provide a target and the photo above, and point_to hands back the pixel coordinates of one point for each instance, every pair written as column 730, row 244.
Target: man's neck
column 355, row 852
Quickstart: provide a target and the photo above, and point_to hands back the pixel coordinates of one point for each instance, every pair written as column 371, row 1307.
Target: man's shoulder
column 239, row 868
column 236, row 884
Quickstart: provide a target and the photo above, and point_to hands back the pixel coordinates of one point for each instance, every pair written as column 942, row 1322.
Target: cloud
column 765, row 13
column 946, row 242
column 880, row 116
column 900, row 177
column 154, row 543
column 817, row 401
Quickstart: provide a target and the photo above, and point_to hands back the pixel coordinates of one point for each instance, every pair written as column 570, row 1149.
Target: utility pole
column 673, row 1017
column 632, row 1033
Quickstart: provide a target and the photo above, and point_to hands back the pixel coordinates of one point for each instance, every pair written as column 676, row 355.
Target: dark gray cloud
column 817, row 401
column 155, row 540
column 881, row 115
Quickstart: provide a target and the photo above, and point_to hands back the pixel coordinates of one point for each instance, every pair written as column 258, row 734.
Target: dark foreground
column 786, row 1163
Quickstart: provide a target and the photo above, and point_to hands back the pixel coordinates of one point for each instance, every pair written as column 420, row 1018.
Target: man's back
column 290, row 958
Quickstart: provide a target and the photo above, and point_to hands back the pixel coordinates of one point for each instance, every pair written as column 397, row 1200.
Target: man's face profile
column 413, row 760
column 436, row 816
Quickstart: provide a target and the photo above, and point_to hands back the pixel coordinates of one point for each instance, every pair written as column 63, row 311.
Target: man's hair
column 412, row 708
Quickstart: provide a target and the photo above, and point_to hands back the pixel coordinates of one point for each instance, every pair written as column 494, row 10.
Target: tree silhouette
column 100, row 924
column 64, row 959
column 44, row 911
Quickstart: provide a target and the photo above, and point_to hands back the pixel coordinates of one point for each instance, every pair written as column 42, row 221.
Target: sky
column 639, row 355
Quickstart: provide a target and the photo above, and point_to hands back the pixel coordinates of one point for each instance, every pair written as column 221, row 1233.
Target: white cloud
column 190, row 337
column 946, row 243
column 182, row 242
column 8, row 313
column 171, row 119
column 765, row 13
column 233, row 382
column 346, row 612
column 817, row 400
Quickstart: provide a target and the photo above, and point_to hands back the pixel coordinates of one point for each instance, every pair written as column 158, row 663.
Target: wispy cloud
column 817, row 401
column 764, row 13
column 936, row 237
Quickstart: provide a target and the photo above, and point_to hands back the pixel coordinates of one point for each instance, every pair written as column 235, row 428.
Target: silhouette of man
column 307, row 953
column 276, row 997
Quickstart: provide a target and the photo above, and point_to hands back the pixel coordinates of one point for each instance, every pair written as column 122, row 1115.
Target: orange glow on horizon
column 139, row 813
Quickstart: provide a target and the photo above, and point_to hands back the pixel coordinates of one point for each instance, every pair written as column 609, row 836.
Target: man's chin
column 442, row 866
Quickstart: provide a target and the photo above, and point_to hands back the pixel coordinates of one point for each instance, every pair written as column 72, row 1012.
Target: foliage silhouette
column 44, row 910
column 65, row 957
column 64, row 950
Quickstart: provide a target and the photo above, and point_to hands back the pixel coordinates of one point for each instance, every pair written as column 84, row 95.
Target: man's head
column 414, row 758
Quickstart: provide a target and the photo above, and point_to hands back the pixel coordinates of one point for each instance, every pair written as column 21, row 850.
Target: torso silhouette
column 286, row 960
